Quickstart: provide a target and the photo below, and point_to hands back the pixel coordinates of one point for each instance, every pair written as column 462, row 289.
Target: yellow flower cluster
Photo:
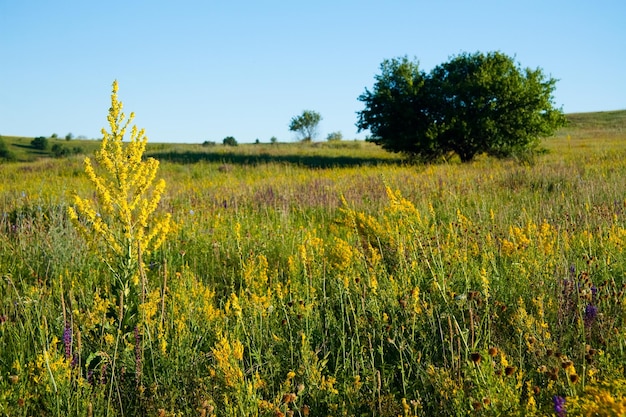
column 542, row 236
column 532, row 326
column 617, row 237
column 416, row 303
column 606, row 399
column 341, row 254
column 402, row 206
column 256, row 278
column 96, row 315
column 150, row 307
column 125, row 193
column 228, row 355
column 519, row 241
column 328, row 384
column 232, row 307
column 50, row 368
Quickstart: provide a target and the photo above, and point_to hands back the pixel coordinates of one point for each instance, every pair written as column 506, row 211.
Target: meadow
column 327, row 280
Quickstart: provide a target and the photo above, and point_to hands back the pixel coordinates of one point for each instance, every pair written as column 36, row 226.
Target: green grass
column 608, row 120
column 331, row 281
column 600, row 125
column 23, row 151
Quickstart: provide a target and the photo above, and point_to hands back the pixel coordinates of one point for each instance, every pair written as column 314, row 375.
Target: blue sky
column 203, row 70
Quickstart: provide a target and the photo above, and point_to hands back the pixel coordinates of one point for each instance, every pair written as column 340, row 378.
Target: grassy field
column 325, row 280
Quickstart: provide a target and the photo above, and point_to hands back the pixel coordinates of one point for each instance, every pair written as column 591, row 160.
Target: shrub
column 230, row 141
column 59, row 150
column 40, row 142
column 5, row 152
column 334, row 137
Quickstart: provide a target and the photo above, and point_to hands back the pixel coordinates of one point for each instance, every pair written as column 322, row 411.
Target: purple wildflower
column 67, row 340
column 559, row 405
column 137, row 355
column 103, row 374
column 591, row 312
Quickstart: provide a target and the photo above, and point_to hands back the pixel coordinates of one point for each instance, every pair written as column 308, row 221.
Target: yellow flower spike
column 230, row 370
column 122, row 219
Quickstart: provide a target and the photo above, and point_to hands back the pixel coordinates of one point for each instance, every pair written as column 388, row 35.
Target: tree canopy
column 475, row 103
column 306, row 124
column 230, row 141
column 40, row 142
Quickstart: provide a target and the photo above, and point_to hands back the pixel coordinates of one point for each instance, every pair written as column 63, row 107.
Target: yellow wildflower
column 125, row 193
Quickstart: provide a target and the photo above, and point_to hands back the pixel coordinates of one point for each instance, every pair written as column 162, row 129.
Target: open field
column 328, row 280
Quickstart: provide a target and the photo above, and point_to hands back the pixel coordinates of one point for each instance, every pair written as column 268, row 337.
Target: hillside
column 581, row 125
column 610, row 120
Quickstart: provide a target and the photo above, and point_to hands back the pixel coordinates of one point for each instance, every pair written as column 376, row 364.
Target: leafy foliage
column 230, row 141
column 5, row 152
column 472, row 104
column 59, row 150
column 40, row 142
column 306, row 124
column 334, row 137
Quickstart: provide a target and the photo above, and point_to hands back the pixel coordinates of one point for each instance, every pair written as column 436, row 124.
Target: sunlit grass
column 319, row 281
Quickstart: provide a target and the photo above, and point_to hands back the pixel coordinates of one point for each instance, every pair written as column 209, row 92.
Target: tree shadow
column 310, row 161
column 31, row 149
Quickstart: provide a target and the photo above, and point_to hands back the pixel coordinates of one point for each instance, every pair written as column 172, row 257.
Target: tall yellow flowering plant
column 119, row 223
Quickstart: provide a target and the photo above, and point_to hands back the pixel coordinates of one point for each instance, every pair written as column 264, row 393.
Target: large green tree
column 475, row 103
column 306, row 124
column 396, row 110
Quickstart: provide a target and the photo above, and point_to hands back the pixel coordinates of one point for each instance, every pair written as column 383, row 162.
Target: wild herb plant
column 120, row 225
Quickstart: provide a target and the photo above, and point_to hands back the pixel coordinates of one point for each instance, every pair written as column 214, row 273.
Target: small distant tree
column 273, row 140
column 59, row 151
column 334, row 137
column 306, row 124
column 208, row 143
column 40, row 143
column 69, row 136
column 54, row 136
column 230, row 141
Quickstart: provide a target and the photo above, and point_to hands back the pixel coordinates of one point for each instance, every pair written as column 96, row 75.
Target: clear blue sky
column 202, row 70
